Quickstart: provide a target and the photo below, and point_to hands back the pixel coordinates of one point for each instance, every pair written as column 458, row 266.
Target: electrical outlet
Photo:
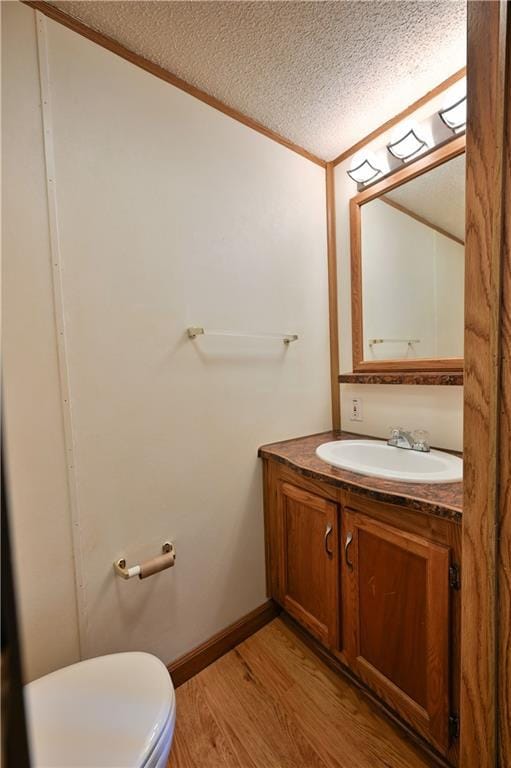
column 356, row 409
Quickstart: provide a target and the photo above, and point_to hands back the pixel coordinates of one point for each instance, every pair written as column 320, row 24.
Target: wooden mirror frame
column 449, row 150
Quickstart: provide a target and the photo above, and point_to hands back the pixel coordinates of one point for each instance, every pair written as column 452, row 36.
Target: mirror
column 408, row 259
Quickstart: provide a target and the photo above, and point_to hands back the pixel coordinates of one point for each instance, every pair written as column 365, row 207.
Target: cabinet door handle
column 328, row 531
column 349, row 539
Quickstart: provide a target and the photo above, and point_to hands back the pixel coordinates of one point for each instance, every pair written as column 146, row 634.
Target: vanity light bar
column 364, row 173
column 407, row 146
column 455, row 116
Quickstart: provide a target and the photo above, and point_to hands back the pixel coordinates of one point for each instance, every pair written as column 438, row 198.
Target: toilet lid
column 104, row 712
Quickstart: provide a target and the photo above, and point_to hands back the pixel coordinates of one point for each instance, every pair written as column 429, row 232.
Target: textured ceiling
column 438, row 196
column 322, row 74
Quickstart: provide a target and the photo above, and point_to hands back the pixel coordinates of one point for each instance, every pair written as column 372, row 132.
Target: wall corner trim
column 60, row 325
column 333, row 301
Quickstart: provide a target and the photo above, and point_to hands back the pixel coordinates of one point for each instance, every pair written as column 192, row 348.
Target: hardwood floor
column 271, row 703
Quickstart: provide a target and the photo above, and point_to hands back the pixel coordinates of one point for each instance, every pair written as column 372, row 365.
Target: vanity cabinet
column 396, row 619
column 373, row 582
column 308, row 544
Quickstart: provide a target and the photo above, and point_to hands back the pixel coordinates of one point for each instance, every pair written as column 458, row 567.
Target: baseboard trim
column 188, row 665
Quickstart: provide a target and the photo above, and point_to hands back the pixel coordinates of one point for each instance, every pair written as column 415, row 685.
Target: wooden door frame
column 504, row 538
column 486, row 432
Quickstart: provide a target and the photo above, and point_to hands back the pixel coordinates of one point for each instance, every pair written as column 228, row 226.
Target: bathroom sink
column 377, row 459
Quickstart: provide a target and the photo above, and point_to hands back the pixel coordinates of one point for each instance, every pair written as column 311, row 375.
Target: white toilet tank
column 107, row 712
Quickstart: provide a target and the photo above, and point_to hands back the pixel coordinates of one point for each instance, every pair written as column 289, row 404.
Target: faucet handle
column 421, row 440
column 395, row 432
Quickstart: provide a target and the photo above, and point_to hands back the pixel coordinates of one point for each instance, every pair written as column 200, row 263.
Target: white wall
column 412, row 286
column 170, row 215
column 439, row 409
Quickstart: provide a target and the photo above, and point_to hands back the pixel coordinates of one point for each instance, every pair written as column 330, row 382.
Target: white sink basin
column 377, row 459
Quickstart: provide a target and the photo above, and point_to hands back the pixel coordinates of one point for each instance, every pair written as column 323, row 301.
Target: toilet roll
column 157, row 564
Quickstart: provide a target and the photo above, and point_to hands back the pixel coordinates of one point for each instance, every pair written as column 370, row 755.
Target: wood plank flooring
column 271, row 703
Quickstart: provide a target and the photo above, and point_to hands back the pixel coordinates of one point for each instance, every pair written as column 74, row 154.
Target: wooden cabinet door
column 309, row 574
column 396, row 620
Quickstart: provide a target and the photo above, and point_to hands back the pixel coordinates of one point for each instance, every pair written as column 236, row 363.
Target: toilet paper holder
column 166, row 560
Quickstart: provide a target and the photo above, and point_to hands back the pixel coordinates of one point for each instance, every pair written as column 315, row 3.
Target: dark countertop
column 440, row 499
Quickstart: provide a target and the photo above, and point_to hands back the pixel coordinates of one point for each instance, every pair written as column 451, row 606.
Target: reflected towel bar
column 287, row 338
column 372, row 342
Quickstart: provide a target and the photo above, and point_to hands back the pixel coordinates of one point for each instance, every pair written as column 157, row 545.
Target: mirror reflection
column 412, row 260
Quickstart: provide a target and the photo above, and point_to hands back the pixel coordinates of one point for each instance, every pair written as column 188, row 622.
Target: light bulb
column 455, row 116
column 408, row 143
column 363, row 169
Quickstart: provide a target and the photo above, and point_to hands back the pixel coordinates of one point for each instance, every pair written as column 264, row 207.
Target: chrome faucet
column 400, row 438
